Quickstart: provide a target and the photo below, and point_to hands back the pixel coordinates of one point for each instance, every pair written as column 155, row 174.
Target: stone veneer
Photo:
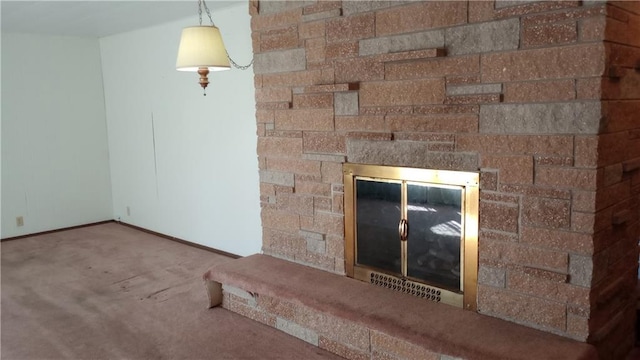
column 541, row 98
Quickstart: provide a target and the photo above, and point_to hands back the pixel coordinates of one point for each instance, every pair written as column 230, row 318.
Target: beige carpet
column 112, row 292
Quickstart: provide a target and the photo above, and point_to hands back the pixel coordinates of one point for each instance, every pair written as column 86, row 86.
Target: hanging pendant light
column 202, row 50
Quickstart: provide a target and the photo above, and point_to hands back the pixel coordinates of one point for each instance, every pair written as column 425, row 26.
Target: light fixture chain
column 202, row 3
column 241, row 67
column 206, row 8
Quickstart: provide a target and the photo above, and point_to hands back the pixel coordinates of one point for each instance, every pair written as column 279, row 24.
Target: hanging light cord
column 201, row 4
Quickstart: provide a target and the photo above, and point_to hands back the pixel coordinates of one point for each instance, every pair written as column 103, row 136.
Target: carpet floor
column 112, row 292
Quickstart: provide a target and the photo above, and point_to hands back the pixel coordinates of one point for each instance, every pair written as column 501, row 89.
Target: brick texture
column 388, row 344
column 512, row 169
column 506, row 304
column 577, row 118
column 405, row 42
column 543, row 91
column 349, row 28
column 484, row 37
column 547, row 63
column 387, row 93
column 422, row 15
column 548, row 34
column 433, row 124
column 307, row 119
column 280, row 61
column 433, row 68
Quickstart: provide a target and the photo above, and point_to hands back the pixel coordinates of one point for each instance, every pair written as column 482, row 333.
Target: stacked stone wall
column 540, row 98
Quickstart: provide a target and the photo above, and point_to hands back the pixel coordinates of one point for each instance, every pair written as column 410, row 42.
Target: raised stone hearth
column 540, row 99
column 360, row 321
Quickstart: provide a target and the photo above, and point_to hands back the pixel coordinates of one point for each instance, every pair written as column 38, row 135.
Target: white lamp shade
column 202, row 47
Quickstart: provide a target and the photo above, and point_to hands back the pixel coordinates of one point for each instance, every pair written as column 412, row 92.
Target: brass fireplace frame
column 469, row 181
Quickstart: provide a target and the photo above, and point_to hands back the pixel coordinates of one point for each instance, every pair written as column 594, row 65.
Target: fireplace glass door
column 435, row 234
column 378, row 213
column 413, row 230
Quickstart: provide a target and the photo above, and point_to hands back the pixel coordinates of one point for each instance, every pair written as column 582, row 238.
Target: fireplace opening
column 413, row 230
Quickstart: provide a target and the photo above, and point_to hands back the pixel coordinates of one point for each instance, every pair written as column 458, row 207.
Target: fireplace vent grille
column 405, row 286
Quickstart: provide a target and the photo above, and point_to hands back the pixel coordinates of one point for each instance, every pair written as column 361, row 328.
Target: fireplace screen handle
column 403, row 229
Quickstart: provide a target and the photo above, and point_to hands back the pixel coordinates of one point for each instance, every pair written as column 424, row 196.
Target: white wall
column 55, row 167
column 197, row 178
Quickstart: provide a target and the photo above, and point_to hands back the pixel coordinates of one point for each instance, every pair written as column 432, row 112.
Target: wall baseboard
column 172, row 238
column 182, row 241
column 55, row 230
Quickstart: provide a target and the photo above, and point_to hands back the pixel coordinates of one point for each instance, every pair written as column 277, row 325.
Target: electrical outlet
column 128, row 211
column 19, row 221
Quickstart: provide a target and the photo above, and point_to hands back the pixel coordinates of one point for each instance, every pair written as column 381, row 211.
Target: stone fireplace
column 540, row 99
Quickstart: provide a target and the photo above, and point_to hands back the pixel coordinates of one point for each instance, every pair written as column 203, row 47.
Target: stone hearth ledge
column 435, row 327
